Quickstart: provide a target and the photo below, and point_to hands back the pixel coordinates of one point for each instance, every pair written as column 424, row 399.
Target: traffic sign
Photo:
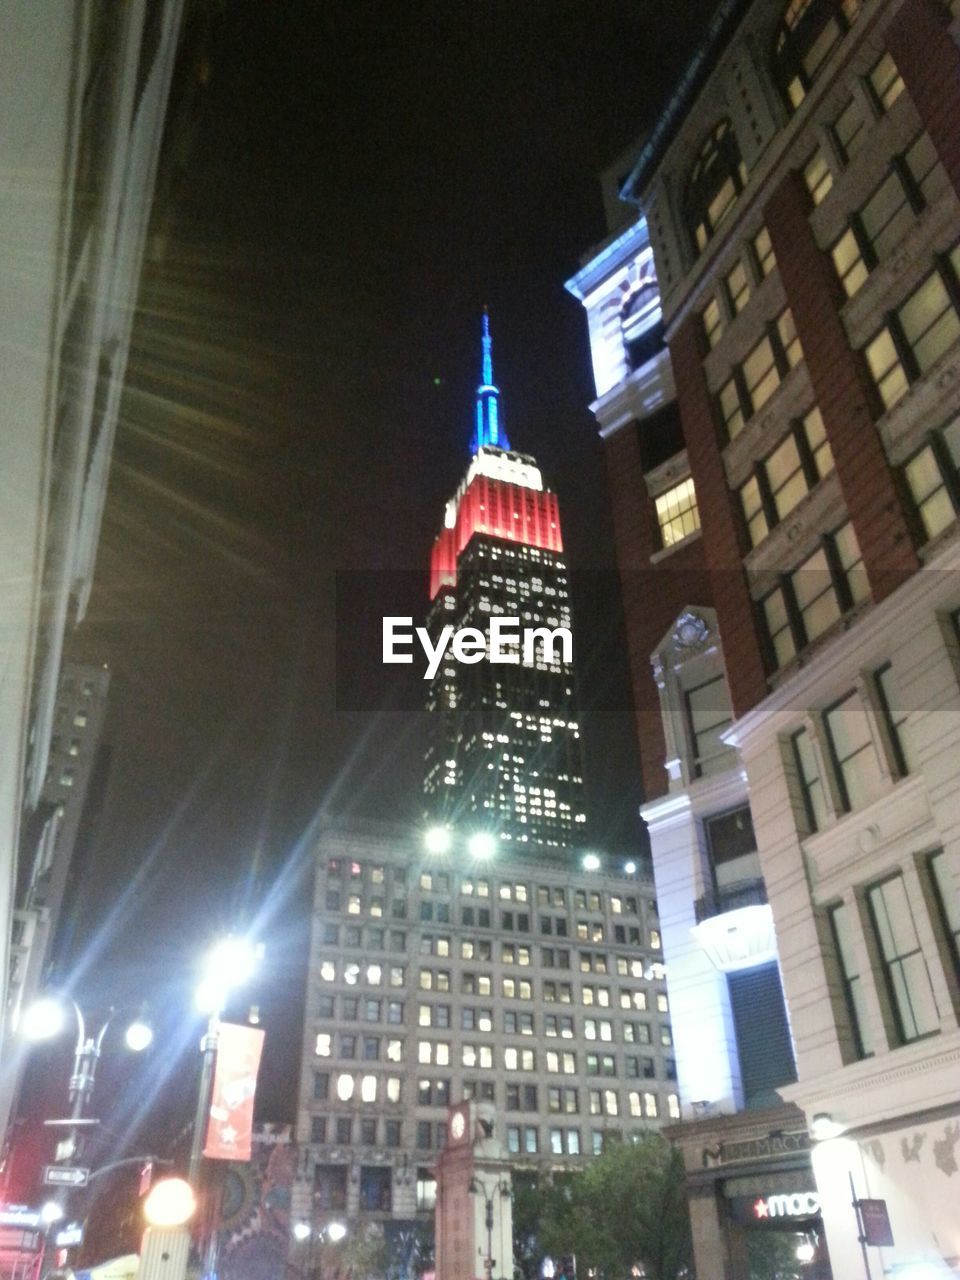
column 57, row 1175
column 69, row 1236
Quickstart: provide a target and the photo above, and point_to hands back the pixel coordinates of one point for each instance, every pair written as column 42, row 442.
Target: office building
column 435, row 978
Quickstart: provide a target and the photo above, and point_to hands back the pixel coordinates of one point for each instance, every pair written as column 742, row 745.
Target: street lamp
column 477, row 1188
column 305, row 1235
column 230, row 964
column 45, row 1018
column 437, row 840
column 482, row 845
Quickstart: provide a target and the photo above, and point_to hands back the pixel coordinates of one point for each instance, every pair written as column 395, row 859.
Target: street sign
column 69, row 1236
column 56, row 1175
column 19, row 1215
column 875, row 1222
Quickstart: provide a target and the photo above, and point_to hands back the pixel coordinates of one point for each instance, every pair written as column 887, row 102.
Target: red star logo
column 761, row 1210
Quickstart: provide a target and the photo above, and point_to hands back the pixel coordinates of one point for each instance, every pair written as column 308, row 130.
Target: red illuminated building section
column 498, row 509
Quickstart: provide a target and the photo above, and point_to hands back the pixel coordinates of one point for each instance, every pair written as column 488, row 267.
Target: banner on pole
column 230, row 1124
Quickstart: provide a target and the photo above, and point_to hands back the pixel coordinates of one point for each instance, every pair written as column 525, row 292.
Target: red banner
column 230, row 1126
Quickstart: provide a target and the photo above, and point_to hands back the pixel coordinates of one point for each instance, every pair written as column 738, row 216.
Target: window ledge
column 664, row 552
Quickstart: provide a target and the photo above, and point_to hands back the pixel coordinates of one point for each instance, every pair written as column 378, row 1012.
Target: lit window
column 881, row 223
column 886, row 82
column 677, row 513
column 827, row 584
column 841, row 925
column 345, row 1087
column 909, row 989
column 933, row 478
column 811, row 784
column 738, row 288
column 808, row 32
column 713, row 322
column 717, row 178
column 853, row 751
column 917, row 334
column 323, row 1046
column 817, row 176
column 763, row 252
column 673, row 1106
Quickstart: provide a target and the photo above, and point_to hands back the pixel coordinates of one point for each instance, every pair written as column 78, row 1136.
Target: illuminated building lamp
column 171, row 1203
column 590, row 862
column 739, row 939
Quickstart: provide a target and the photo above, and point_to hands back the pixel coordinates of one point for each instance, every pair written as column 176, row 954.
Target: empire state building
column 504, row 754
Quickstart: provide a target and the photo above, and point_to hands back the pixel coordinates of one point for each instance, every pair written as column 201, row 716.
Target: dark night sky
column 364, row 178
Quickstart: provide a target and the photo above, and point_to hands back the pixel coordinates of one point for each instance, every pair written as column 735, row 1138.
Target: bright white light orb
column 482, row 845
column 805, row 1251
column 590, row 862
column 138, row 1036
column 301, row 1231
column 51, row 1212
column 170, row 1204
column 437, row 840
column 823, row 1127
column 630, row 868
column 42, row 1020
column 336, row 1231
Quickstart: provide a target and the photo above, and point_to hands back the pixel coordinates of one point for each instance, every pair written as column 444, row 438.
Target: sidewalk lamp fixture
column 590, row 862
column 230, row 964
column 171, row 1203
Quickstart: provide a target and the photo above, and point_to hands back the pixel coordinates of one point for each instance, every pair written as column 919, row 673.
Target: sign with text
column 230, row 1124
column 875, row 1222
column 58, row 1175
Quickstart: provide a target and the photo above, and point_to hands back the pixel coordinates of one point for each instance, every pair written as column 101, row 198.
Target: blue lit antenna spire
column 488, row 429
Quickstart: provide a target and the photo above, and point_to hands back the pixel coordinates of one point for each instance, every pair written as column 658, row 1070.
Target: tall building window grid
column 755, row 379
column 918, row 332
column 787, row 474
column 815, row 595
column 906, row 977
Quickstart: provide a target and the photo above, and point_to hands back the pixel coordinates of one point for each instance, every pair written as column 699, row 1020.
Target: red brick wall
column 746, row 675
column 653, row 595
column 929, row 61
column 843, row 390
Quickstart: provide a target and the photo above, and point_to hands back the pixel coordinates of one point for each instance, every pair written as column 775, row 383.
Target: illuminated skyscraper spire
column 488, row 429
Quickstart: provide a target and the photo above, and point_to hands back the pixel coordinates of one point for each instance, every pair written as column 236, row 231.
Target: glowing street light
column 51, row 1213
column 437, row 840
column 45, row 1019
column 630, row 868
column 231, row 963
column 590, row 862
column 482, row 846
column 170, row 1203
column 301, row 1231
column 336, row 1231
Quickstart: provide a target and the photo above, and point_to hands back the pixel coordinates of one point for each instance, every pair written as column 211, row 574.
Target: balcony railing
column 742, row 893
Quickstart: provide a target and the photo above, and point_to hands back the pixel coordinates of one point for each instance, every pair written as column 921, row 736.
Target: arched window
column 807, row 33
column 717, row 178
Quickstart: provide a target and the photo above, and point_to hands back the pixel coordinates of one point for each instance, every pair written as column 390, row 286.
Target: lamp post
column 45, row 1019
column 478, row 1188
column 306, row 1234
column 229, row 965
